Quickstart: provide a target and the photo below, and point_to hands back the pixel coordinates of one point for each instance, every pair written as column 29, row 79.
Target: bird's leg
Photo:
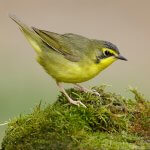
column 78, row 103
column 84, row 89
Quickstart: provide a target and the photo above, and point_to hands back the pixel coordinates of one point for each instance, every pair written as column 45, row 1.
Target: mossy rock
column 110, row 122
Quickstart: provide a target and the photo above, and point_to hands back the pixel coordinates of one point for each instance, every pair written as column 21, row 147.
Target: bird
column 70, row 58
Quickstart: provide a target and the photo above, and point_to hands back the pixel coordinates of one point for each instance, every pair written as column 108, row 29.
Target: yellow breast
column 75, row 72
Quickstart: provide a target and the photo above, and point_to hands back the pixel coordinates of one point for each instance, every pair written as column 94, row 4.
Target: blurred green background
column 23, row 82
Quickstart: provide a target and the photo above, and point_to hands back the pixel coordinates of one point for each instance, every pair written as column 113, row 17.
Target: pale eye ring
column 107, row 53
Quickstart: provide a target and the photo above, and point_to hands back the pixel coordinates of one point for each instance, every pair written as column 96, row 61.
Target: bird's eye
column 107, row 53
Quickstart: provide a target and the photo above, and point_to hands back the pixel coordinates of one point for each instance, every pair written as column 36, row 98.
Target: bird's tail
column 29, row 33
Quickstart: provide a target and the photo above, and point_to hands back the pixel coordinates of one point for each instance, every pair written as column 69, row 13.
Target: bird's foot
column 78, row 103
column 83, row 89
column 95, row 93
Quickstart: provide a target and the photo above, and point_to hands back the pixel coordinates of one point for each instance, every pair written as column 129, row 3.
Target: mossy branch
column 109, row 122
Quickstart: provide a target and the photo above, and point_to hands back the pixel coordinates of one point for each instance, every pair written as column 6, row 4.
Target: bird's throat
column 104, row 63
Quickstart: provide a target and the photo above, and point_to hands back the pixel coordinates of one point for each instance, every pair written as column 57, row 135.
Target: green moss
column 110, row 122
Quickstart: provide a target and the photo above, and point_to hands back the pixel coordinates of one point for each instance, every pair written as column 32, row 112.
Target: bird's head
column 108, row 53
column 108, row 50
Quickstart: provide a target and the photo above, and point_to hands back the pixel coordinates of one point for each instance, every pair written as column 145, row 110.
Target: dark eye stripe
column 103, row 55
column 107, row 53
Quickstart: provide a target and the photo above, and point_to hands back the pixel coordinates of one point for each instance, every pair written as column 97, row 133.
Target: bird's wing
column 72, row 46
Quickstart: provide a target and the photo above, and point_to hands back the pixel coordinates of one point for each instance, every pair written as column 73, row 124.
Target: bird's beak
column 121, row 57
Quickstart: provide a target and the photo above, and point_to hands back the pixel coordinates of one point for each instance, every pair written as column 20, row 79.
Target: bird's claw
column 95, row 93
column 83, row 89
column 78, row 103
